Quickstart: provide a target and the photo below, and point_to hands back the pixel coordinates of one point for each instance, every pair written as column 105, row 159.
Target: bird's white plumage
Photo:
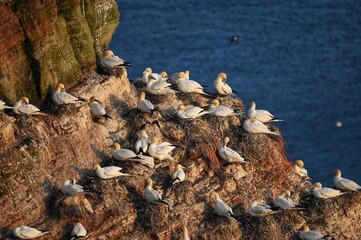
column 307, row 234
column 25, row 232
column 188, row 86
column 158, row 87
column 111, row 61
column 22, row 107
column 344, row 183
column 70, row 188
column 178, row 175
column 78, row 230
column 151, row 195
column 324, row 192
column 142, row 143
column 228, row 154
column 143, row 104
column 221, row 86
column 108, row 172
column 63, row 97
column 260, row 208
column 221, row 208
column 161, row 151
column 191, row 112
column 123, row 154
column 252, row 125
column 263, row 116
column 97, row 108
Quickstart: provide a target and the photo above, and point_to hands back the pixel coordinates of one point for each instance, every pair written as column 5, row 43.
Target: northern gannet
column 151, row 195
column 300, row 170
column 158, row 87
column 220, row 85
column 229, row 155
column 223, row 111
column 61, row 97
column 178, row 175
column 122, row 154
column 160, row 150
column 191, row 112
column 307, row 234
column 141, row 145
column 97, row 109
column 70, row 188
column 110, row 61
column 260, row 208
column 185, row 233
column 174, row 77
column 23, row 107
column 222, row 209
column 146, row 74
column 324, row 192
column 108, row 172
column 252, row 125
column 344, row 183
column 261, row 115
column 25, row 232
column 189, row 86
column 144, row 105
column 284, row 201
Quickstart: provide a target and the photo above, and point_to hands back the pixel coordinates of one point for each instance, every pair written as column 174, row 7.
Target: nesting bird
column 191, row 112
column 142, row 143
column 300, row 170
column 344, row 183
column 261, row 115
column 70, row 188
column 178, row 175
column 146, row 74
column 252, row 125
column 160, row 150
column 229, row 155
column 97, row 109
column 78, row 231
column 324, row 192
column 307, row 234
column 108, row 172
column 223, row 111
column 151, row 195
column 61, row 97
column 188, row 86
column 122, row 154
column 110, row 61
column 220, row 85
column 284, row 201
column 158, row 87
column 222, row 209
column 3, row 106
column 260, row 208
column 144, row 105
column 23, row 107
column 25, row 232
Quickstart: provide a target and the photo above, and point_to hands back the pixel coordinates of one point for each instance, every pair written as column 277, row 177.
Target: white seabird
column 142, row 143
column 25, row 232
column 252, row 125
column 3, row 106
column 160, row 150
column 144, row 105
column 158, row 87
column 97, row 109
column 23, row 107
column 229, row 155
column 189, row 86
column 300, row 170
column 61, row 97
column 307, row 234
column 260, row 208
column 108, row 172
column 344, row 183
column 173, row 79
column 122, row 154
column 110, row 61
column 151, row 195
column 178, row 175
column 284, row 201
column 70, row 188
column 222, row 209
column 78, row 231
column 261, row 115
column 324, row 192
column 221, row 86
column 191, row 112
column 146, row 74
column 223, row 111
column 185, row 233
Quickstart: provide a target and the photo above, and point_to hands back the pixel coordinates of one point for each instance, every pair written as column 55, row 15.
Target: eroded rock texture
column 39, row 152
column 43, row 42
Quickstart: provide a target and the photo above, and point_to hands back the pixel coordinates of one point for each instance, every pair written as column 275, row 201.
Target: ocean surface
column 301, row 60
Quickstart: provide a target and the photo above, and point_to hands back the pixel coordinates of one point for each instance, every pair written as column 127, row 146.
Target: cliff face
column 43, row 42
column 39, row 152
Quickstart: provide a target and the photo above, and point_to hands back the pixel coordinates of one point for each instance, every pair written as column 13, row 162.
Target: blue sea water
column 301, row 60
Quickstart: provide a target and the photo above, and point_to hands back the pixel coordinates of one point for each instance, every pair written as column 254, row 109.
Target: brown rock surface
column 46, row 150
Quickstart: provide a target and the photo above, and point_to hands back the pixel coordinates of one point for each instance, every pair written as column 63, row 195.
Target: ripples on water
column 301, row 60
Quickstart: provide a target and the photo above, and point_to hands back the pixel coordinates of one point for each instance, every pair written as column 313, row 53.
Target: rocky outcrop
column 43, row 42
column 42, row 151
